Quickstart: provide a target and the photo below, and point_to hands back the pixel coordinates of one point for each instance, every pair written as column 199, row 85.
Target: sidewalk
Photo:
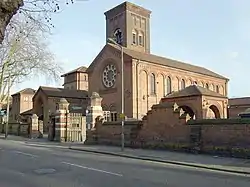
column 232, row 165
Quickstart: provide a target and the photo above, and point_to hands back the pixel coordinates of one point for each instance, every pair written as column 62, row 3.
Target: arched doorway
column 188, row 110
column 213, row 112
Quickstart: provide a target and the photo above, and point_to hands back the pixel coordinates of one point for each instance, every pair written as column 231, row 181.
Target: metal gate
column 74, row 127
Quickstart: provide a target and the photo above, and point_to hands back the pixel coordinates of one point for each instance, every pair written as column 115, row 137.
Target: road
column 25, row 165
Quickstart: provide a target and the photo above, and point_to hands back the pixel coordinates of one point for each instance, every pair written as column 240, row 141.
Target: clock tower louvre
column 134, row 24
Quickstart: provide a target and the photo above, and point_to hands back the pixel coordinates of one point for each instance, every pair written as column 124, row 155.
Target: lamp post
column 112, row 41
column 8, row 109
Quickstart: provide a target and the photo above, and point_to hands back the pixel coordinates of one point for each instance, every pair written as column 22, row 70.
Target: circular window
column 109, row 75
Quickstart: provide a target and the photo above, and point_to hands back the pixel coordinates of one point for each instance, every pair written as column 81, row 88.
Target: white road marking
column 93, row 169
column 26, row 154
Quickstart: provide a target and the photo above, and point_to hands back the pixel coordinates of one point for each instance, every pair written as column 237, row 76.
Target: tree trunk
column 8, row 8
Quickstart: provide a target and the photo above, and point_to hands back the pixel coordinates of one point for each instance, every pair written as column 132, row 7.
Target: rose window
column 109, row 76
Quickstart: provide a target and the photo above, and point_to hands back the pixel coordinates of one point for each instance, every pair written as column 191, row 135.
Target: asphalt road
column 24, row 165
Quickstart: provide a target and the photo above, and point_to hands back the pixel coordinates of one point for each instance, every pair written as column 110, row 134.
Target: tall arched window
column 141, row 39
column 183, row 85
column 168, row 85
column 213, row 87
column 152, row 84
column 207, row 86
column 135, row 35
column 217, row 89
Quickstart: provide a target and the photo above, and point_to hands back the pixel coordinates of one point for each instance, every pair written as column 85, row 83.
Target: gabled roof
column 81, row 69
column 158, row 60
column 194, row 90
column 25, row 91
column 62, row 93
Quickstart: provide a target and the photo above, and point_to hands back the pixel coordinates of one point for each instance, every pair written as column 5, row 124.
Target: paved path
column 23, row 165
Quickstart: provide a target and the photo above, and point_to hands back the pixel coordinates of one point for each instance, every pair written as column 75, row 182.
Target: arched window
column 217, row 89
column 152, row 84
column 135, row 41
column 183, row 84
column 213, row 87
column 141, row 39
column 195, row 83
column 168, row 85
column 207, row 86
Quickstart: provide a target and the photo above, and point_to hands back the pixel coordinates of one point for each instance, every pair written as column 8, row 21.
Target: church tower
column 129, row 24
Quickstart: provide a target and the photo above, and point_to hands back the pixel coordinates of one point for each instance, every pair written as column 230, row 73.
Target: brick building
column 46, row 98
column 21, row 103
column 76, row 79
column 148, row 77
column 237, row 105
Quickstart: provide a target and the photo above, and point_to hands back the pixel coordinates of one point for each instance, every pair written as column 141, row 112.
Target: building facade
column 46, row 99
column 21, row 102
column 148, row 77
column 237, row 105
column 76, row 79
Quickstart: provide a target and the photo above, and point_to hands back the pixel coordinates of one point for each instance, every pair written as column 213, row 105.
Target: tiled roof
column 81, row 69
column 194, row 90
column 161, row 61
column 63, row 93
column 25, row 91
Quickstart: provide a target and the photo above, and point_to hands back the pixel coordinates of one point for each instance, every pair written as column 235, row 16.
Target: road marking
column 26, row 154
column 93, row 169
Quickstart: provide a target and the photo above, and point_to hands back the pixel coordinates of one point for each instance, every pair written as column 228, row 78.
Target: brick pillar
column 93, row 110
column 34, row 127
column 61, row 120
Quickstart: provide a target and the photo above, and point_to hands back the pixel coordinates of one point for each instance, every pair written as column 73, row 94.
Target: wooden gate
column 75, row 127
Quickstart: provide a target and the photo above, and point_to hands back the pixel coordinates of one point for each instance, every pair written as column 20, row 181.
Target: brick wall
column 168, row 127
column 110, row 132
column 227, row 135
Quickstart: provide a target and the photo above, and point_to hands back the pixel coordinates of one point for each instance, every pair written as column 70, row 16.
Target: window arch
column 134, row 38
column 168, row 85
column 195, row 83
column 206, row 86
column 217, row 89
column 213, row 87
column 183, row 84
column 141, row 39
column 152, row 83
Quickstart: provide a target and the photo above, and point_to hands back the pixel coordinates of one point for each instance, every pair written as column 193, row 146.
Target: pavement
column 25, row 164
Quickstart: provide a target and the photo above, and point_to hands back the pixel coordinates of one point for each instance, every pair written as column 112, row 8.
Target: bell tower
column 129, row 25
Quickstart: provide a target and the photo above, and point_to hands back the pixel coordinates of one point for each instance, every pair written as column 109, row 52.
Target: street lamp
column 122, row 116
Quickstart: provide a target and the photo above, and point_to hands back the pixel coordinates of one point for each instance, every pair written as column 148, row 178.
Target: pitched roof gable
column 25, row 91
column 194, row 90
column 81, row 69
column 157, row 60
column 63, row 93
column 169, row 62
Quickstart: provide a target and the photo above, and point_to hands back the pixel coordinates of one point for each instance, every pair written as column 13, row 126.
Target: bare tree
column 25, row 54
column 8, row 9
column 40, row 11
